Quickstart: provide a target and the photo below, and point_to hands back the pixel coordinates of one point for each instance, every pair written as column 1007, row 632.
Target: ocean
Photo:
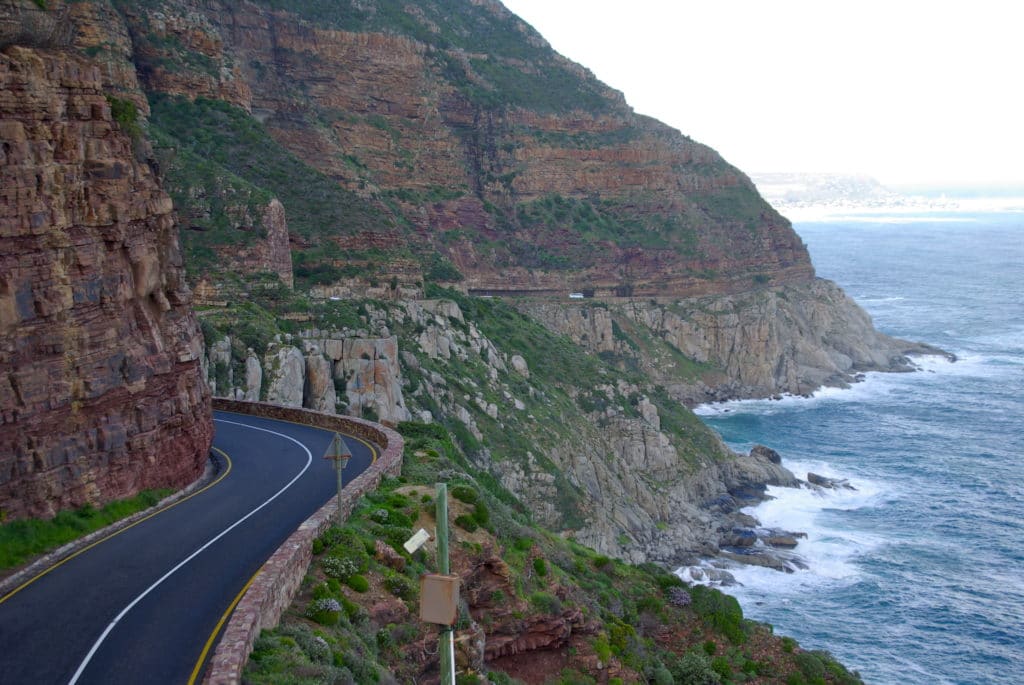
column 917, row 576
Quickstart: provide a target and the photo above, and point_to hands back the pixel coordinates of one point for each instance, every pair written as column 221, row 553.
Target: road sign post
column 339, row 453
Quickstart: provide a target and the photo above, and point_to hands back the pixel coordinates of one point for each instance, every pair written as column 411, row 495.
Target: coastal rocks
column 101, row 390
column 766, row 453
column 793, row 339
column 761, row 343
column 823, row 482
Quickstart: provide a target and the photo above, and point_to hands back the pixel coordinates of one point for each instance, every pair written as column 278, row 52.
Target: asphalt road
column 141, row 605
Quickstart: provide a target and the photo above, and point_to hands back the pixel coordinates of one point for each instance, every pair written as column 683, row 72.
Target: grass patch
column 22, row 540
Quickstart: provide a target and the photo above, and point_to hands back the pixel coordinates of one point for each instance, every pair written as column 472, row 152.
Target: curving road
column 142, row 605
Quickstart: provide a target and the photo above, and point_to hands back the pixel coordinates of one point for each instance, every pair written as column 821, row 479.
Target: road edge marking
column 103, row 539
column 220, row 624
column 183, row 562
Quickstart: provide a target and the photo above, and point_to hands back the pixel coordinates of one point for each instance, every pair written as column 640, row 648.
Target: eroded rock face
column 411, row 124
column 285, row 370
column 792, row 339
column 101, row 390
column 318, row 370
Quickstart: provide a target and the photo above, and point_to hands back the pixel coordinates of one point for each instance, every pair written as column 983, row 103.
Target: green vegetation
column 620, row 222
column 24, row 539
column 126, row 115
column 227, row 136
column 328, row 635
column 547, row 85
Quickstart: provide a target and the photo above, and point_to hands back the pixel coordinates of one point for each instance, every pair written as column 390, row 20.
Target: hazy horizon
column 911, row 93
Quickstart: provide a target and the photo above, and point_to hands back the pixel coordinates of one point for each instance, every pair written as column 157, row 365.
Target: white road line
column 96, row 646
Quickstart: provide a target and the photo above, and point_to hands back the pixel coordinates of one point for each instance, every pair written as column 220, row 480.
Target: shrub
column 355, row 613
column 380, row 515
column 325, row 611
column 721, row 666
column 467, row 523
column 384, row 639
column 322, row 591
column 788, row 644
column 602, row 649
column 546, row 602
column 400, row 586
column 662, row 676
column 480, row 514
column 338, row 567
column 721, row 611
column 810, row 665
column 464, row 493
column 540, row 567
column 357, row 583
column 694, row 668
column 710, row 647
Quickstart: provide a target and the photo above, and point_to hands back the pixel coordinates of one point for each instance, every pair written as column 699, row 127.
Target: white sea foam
column 830, row 550
column 873, row 385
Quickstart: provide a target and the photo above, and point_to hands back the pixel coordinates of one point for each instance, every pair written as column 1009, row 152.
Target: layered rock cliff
column 100, row 387
column 450, row 135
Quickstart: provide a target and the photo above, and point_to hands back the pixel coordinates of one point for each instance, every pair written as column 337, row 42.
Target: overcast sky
column 903, row 90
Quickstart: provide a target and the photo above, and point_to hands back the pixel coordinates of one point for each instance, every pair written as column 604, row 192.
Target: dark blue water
column 918, row 576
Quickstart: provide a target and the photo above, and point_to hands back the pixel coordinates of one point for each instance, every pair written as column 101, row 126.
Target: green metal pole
column 338, row 468
column 447, row 644
column 442, row 528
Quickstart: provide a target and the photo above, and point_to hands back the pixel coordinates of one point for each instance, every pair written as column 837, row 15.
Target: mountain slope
column 456, row 139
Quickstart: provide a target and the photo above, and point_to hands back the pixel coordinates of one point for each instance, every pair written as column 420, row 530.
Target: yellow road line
column 118, row 532
column 210, row 641
column 220, row 624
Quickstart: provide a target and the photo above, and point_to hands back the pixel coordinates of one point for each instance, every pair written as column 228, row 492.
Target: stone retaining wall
column 278, row 581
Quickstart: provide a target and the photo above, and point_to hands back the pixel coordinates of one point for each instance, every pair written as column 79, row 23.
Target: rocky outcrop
column 616, row 476
column 790, row 339
column 268, row 251
column 101, row 391
column 318, row 392
column 253, row 377
column 285, row 370
column 319, row 370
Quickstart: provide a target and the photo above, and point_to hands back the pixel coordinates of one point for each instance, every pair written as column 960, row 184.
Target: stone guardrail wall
column 277, row 582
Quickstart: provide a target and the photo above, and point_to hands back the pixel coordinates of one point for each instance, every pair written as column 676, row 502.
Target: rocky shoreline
column 745, row 541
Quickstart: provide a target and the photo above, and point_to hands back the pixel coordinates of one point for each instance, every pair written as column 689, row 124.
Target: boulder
column 829, row 483
column 767, row 453
column 520, row 366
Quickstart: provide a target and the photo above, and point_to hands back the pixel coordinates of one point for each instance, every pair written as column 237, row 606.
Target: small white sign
column 416, row 541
